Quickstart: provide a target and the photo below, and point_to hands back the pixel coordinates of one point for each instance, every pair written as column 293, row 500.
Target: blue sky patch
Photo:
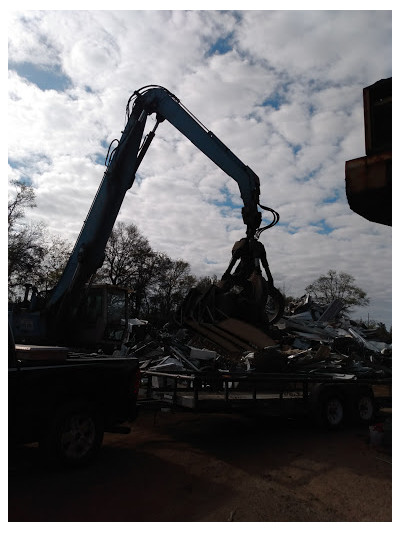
column 20, row 166
column 45, row 79
column 99, row 158
column 15, row 164
column 331, row 199
column 26, row 180
column 289, row 227
column 32, row 164
column 221, row 46
column 275, row 101
column 295, row 148
column 322, row 227
column 228, row 203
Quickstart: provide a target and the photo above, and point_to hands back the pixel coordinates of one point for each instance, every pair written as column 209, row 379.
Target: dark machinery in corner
column 369, row 178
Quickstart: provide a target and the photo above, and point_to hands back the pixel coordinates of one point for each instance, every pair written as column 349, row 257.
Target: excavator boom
column 122, row 165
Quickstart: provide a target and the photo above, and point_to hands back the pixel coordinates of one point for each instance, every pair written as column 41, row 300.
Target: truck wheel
column 74, row 436
column 364, row 409
column 332, row 411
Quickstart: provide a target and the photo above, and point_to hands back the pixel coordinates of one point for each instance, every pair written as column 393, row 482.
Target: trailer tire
column 331, row 410
column 364, row 408
column 74, row 435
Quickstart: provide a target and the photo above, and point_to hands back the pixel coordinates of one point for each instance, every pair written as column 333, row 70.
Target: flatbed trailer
column 329, row 398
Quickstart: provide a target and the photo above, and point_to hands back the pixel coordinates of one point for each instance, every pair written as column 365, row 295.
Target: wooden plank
column 204, row 331
column 246, row 332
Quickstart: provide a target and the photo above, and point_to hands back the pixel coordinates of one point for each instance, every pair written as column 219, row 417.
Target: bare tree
column 34, row 256
column 170, row 285
column 129, row 262
column 126, row 254
column 338, row 285
column 25, row 240
column 204, row 282
column 158, row 283
column 22, row 198
column 56, row 254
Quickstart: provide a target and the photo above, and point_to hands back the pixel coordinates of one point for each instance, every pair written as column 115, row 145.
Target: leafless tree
column 25, row 240
column 170, row 285
column 337, row 285
column 129, row 262
column 34, row 256
column 158, row 283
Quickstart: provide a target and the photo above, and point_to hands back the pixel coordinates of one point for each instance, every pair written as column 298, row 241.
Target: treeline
column 157, row 283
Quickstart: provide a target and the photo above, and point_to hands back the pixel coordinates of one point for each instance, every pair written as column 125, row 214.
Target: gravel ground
column 176, row 467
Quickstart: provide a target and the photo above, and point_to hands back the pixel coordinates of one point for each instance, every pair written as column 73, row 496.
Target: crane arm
column 88, row 253
column 167, row 106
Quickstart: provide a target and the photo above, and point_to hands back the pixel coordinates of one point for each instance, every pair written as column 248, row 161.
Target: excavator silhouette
column 244, row 294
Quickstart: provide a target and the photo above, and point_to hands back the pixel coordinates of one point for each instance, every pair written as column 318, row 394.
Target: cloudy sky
column 282, row 89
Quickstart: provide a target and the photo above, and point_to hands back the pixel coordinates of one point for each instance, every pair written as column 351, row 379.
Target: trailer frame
column 269, row 393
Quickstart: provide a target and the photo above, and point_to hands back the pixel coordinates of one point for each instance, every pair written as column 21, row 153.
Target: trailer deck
column 279, row 393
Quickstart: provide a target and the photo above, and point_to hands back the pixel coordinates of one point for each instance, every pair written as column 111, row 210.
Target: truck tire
column 74, row 436
column 364, row 408
column 332, row 410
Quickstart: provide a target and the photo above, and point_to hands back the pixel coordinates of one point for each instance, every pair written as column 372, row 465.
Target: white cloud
column 27, row 41
column 309, row 66
column 333, row 46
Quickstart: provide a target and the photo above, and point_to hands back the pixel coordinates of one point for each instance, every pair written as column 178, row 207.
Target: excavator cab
column 103, row 318
column 100, row 322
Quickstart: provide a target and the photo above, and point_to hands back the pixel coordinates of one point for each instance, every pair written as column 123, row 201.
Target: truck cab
column 66, row 401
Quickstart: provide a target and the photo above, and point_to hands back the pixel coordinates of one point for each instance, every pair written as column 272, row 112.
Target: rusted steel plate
column 204, row 331
column 246, row 332
column 228, row 336
column 233, row 335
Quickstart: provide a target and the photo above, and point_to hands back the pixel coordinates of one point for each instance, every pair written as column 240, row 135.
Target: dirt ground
column 176, row 467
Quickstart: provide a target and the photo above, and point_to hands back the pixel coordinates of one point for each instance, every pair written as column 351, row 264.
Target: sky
column 282, row 89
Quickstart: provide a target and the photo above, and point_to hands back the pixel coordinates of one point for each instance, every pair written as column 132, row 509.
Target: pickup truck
column 66, row 401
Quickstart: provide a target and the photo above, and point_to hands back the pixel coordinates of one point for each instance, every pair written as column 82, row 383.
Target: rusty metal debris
column 308, row 338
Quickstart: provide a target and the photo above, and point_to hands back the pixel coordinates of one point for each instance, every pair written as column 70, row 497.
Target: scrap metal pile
column 308, row 338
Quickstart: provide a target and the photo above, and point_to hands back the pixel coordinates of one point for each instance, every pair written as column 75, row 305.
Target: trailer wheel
column 332, row 411
column 364, row 408
column 74, row 436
